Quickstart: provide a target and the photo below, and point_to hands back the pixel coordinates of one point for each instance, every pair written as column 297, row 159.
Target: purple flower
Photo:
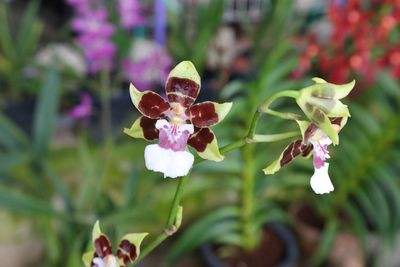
column 131, row 12
column 83, row 109
column 94, row 33
column 151, row 68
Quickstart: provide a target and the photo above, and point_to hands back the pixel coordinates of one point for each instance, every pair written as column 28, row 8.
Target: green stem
column 266, row 138
column 264, row 107
column 170, row 227
column 105, row 106
column 249, row 239
column 175, row 203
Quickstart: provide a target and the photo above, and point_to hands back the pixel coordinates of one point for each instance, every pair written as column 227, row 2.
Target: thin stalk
column 105, row 106
column 249, row 239
column 170, row 227
column 267, row 138
column 264, row 107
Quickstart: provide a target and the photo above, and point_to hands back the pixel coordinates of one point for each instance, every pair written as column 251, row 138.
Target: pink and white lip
column 169, row 156
column 320, row 181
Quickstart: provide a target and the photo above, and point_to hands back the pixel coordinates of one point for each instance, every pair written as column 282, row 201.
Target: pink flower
column 150, row 69
column 94, row 33
column 84, row 109
column 131, row 13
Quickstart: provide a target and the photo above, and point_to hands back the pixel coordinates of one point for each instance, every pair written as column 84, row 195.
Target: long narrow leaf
column 46, row 113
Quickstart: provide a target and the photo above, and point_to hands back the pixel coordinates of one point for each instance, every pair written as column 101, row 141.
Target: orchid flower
column 321, row 101
column 102, row 256
column 177, row 122
column 314, row 141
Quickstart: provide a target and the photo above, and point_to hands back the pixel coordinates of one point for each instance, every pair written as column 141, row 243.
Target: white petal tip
column 320, row 181
column 171, row 163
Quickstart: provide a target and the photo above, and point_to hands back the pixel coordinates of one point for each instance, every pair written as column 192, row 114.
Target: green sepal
column 87, row 258
column 323, row 89
column 274, row 166
column 185, row 70
column 222, row 109
column 326, row 126
column 136, row 131
column 303, row 125
column 324, row 97
column 136, row 95
column 212, row 151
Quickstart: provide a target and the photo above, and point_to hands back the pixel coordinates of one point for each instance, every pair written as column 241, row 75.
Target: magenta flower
column 150, row 69
column 131, row 13
column 94, row 33
column 83, row 109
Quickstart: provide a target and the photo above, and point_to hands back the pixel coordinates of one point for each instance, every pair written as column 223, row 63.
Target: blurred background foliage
column 62, row 166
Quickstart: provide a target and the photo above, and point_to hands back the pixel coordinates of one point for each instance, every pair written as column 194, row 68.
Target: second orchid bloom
column 177, row 122
column 320, row 102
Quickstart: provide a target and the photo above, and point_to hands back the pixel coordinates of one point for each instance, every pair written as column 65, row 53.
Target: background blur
column 65, row 68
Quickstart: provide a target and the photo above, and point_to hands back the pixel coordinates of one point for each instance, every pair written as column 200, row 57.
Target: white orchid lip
column 320, row 181
column 169, row 156
column 171, row 163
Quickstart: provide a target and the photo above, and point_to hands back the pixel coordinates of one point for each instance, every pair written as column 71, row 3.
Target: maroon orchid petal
column 208, row 113
column 150, row 132
column 150, row 104
column 293, row 150
column 126, row 252
column 143, row 127
column 153, row 105
column 203, row 114
column 181, row 90
column 102, row 247
column 200, row 139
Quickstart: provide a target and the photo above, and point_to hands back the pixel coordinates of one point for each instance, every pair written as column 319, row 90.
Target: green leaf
column 29, row 31
column 18, row 202
column 12, row 159
column 60, row 186
column 11, row 136
column 46, row 113
column 212, row 226
column 326, row 242
column 6, row 41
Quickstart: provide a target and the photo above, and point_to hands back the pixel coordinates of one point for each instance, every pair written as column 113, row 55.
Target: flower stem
column 265, row 138
column 264, row 107
column 249, row 239
column 170, row 227
column 105, row 106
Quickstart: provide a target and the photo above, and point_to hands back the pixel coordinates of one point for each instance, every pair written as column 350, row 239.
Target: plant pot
column 346, row 249
column 278, row 248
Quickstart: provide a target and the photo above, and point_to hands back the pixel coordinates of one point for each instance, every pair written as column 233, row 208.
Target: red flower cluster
column 362, row 41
